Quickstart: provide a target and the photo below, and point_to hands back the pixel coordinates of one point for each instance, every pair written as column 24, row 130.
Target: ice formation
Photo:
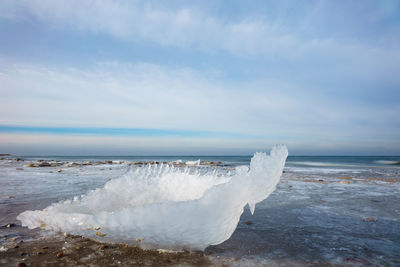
column 165, row 207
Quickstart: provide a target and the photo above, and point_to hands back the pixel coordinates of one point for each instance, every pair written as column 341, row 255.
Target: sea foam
column 165, row 207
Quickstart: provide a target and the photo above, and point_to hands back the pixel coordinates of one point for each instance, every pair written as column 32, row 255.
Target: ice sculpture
column 165, row 207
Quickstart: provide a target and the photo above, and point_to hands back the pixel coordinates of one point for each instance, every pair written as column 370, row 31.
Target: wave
column 387, row 162
column 165, row 207
column 320, row 164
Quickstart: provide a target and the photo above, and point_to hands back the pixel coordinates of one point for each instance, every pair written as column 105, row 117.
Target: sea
column 326, row 210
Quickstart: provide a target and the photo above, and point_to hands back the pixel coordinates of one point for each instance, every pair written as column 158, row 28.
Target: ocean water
column 335, row 210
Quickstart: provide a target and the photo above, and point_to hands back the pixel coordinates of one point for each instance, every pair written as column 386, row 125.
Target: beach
column 326, row 211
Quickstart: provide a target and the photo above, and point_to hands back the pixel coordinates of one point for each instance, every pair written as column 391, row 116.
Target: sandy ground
column 80, row 251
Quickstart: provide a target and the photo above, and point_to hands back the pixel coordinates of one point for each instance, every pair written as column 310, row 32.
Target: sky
column 84, row 77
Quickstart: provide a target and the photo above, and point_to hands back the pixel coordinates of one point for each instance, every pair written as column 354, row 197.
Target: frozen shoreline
column 332, row 218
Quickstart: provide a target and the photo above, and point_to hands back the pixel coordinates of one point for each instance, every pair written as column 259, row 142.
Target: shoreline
column 314, row 218
column 77, row 250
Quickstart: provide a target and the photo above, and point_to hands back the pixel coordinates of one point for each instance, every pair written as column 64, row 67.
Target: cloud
column 300, row 75
column 137, row 95
column 142, row 95
column 309, row 41
column 188, row 26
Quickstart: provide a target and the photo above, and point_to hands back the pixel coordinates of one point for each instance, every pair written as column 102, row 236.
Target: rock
column 66, row 234
column 31, row 165
column 345, row 182
column 59, row 170
column 103, row 247
column 108, row 162
column 346, row 178
column 369, row 219
column 21, row 264
column 100, row 234
column 19, row 169
column 23, row 254
column 60, row 254
column 44, row 164
column 77, row 247
column 249, row 222
column 11, row 197
column 11, row 225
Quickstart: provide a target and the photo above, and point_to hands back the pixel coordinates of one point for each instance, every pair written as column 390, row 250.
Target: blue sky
column 197, row 77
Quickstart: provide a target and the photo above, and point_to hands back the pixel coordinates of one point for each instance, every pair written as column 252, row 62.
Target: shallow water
column 310, row 218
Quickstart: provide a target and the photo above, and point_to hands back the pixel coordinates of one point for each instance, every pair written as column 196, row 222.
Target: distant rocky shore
column 56, row 163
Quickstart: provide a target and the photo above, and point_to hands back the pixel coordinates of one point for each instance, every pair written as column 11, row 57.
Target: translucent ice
column 165, row 207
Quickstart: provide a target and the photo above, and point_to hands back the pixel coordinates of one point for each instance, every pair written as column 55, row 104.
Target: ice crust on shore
column 165, row 207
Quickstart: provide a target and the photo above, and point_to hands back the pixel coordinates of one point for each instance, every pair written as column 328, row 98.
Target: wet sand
column 80, row 251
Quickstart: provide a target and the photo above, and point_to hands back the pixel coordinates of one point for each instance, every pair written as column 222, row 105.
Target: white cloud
column 151, row 96
column 182, row 27
column 194, row 28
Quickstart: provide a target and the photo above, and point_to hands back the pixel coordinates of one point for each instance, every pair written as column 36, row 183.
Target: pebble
column 100, row 234
column 249, row 222
column 102, row 247
column 59, row 170
column 60, row 254
column 369, row 219
column 21, row 264
column 344, row 182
